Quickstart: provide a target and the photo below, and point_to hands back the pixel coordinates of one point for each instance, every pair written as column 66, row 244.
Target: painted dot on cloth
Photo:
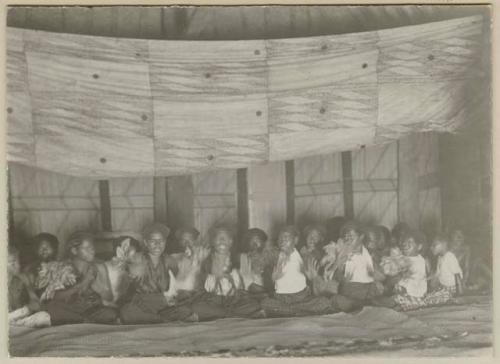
column 365, row 65
column 210, row 157
column 144, row 117
column 208, row 75
column 256, row 52
column 258, row 113
column 324, row 47
column 103, row 160
column 430, row 57
column 322, row 110
column 10, row 110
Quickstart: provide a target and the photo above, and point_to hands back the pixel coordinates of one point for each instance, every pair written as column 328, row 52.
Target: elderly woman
column 151, row 301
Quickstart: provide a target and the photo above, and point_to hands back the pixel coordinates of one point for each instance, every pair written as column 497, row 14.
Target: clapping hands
column 311, row 268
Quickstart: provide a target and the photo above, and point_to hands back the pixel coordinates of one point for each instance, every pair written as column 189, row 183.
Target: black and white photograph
column 249, row 181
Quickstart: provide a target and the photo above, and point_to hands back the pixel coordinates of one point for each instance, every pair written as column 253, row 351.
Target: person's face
column 313, row 239
column 410, row 248
column 222, row 242
column 371, row 242
column 85, row 251
column 13, row 266
column 353, row 239
column 45, row 251
column 255, row 243
column 438, row 247
column 187, row 241
column 287, row 241
column 155, row 243
column 457, row 239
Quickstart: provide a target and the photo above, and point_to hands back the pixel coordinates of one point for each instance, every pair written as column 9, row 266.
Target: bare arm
column 459, row 284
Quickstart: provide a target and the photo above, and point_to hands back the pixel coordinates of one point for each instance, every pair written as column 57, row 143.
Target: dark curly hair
column 156, row 227
column 133, row 242
column 51, row 239
column 251, row 233
column 189, row 230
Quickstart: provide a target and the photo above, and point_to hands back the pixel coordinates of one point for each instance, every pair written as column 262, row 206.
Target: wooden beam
column 408, row 189
column 242, row 200
column 290, row 191
column 347, row 185
column 105, row 205
column 180, row 201
column 160, row 199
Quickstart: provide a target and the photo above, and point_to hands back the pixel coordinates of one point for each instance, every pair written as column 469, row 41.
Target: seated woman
column 292, row 296
column 80, row 303
column 356, row 274
column 113, row 276
column 257, row 262
column 45, row 248
column 224, row 289
column 24, row 305
column 150, row 300
column 314, row 236
column 187, row 285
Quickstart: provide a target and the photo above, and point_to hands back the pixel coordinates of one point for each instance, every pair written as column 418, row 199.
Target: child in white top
column 293, row 297
column 448, row 272
column 288, row 273
column 414, row 280
column 357, row 281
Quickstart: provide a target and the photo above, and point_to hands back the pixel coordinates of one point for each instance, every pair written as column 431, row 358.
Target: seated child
column 224, row 289
column 448, row 278
column 24, row 306
column 462, row 252
column 315, row 236
column 292, row 296
column 356, row 274
column 257, row 262
column 80, row 303
column 412, row 285
column 113, row 279
column 151, row 299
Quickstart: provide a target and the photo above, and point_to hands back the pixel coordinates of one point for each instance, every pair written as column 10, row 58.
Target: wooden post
column 347, row 185
column 105, row 205
column 242, row 200
column 11, row 226
column 160, row 199
column 180, row 202
column 408, row 190
column 290, row 191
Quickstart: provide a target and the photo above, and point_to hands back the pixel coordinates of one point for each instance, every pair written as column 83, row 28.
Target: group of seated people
column 326, row 268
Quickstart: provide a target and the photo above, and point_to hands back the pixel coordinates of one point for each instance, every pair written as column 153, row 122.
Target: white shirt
column 359, row 267
column 416, row 283
column 293, row 280
column 447, row 267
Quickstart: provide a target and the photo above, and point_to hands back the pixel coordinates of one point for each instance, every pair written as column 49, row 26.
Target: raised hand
column 311, row 268
column 171, row 294
column 246, row 270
